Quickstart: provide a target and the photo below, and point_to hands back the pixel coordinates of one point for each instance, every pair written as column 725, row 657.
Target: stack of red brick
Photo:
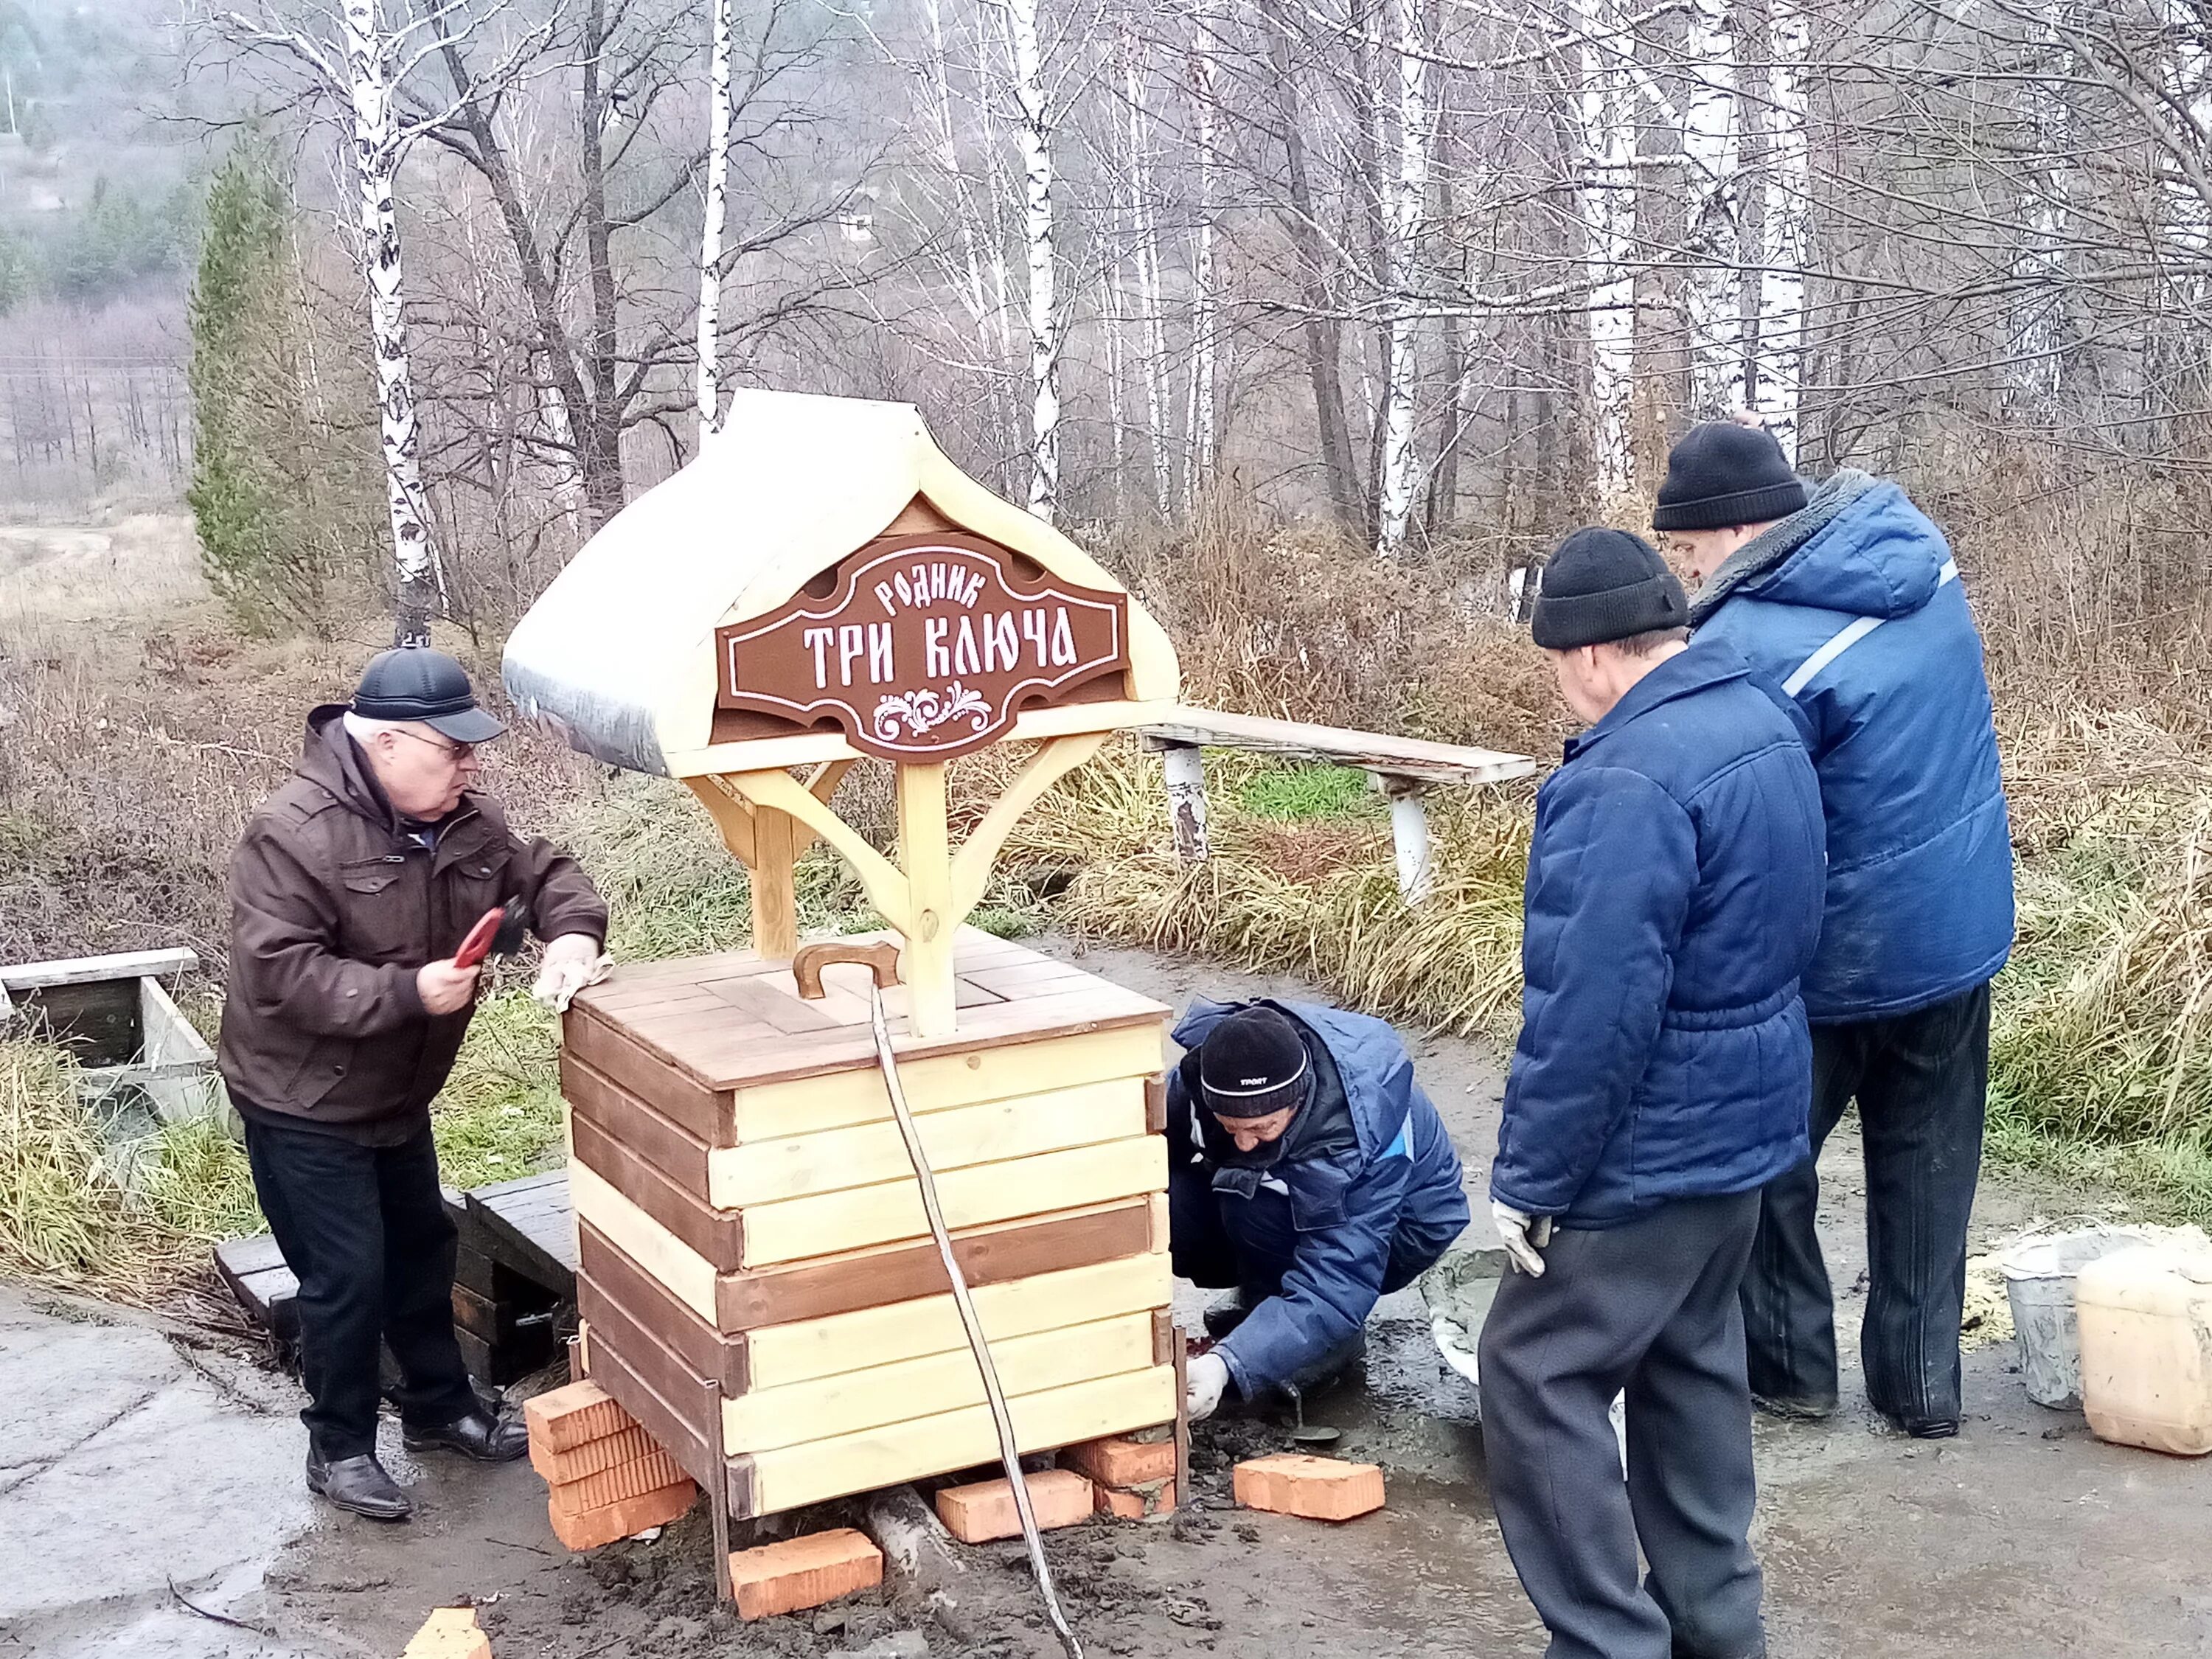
column 1133, row 1476
column 608, row 1477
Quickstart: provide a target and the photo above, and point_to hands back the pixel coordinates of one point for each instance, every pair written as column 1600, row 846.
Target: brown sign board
column 927, row 648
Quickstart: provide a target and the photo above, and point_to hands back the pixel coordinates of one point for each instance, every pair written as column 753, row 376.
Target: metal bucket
column 2039, row 1275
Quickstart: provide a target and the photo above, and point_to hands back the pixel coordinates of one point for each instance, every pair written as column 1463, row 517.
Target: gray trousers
column 1650, row 1308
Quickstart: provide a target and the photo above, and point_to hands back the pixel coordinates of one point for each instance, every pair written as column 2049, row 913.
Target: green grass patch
column 1292, row 795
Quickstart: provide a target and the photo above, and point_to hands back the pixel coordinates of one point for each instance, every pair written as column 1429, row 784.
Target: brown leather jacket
column 333, row 909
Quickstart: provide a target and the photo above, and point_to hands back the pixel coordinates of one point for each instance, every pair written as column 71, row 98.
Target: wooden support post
column 1184, row 764
column 776, row 902
column 1181, row 1357
column 925, row 857
column 1409, row 831
column 717, row 1487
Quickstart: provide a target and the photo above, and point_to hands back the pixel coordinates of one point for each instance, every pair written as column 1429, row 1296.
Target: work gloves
column 571, row 961
column 1524, row 1235
column 1203, row 1383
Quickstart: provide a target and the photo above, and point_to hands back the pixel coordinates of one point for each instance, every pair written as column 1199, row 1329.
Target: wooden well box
column 750, row 1233
column 820, row 587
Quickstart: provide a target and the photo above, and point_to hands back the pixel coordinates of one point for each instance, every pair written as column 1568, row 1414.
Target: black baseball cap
column 417, row 683
column 1252, row 1065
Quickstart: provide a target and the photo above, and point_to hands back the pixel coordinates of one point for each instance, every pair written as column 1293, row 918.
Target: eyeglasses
column 457, row 751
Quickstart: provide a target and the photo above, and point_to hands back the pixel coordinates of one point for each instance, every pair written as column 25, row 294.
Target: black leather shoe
column 357, row 1483
column 1929, row 1428
column 1224, row 1317
column 479, row 1435
column 1792, row 1408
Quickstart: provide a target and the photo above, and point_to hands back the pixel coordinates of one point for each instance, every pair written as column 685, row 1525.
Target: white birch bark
column 376, row 165
column 1405, row 192
column 710, row 230
column 1606, row 209
column 1144, row 234
column 1712, row 291
column 1033, row 144
column 1201, row 416
column 1788, row 224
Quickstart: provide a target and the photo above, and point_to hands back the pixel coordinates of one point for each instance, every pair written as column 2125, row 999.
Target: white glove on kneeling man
column 1204, row 1382
column 1523, row 1235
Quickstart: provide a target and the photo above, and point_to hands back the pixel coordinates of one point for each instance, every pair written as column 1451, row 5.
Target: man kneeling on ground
column 351, row 890
column 1308, row 1171
column 1661, row 1078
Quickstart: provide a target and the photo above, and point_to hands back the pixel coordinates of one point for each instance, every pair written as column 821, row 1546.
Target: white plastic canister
column 2145, row 1323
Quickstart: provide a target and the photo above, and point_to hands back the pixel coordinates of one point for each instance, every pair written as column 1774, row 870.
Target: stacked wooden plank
column 606, row 1476
column 753, row 1252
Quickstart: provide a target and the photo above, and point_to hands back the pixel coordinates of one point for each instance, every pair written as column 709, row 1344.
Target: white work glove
column 1203, row 1383
column 1524, row 1235
column 571, row 961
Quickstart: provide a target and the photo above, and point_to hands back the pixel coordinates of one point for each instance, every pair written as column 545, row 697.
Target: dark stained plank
column 598, row 1099
column 526, row 1224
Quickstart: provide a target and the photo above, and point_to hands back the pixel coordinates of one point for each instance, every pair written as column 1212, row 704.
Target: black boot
column 480, row 1435
column 357, row 1483
column 1224, row 1317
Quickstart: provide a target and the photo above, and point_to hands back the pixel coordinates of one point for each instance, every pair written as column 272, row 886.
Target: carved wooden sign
column 927, row 647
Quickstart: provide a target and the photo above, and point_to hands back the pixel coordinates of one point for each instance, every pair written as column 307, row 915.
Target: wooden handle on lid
column 882, row 957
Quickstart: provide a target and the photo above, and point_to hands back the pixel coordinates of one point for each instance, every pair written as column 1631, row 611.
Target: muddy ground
column 133, row 1459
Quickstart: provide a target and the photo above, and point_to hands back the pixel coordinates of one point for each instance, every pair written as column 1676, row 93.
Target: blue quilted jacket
column 1855, row 607
column 1673, row 899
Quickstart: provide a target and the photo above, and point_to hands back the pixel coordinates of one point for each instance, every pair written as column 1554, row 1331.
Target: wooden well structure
column 756, row 1277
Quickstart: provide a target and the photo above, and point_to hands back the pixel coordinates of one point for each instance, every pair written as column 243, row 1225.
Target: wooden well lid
column 736, row 1021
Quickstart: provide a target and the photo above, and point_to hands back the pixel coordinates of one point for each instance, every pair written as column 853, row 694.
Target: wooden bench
column 1402, row 767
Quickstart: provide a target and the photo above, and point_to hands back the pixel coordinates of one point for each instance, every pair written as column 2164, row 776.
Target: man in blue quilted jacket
column 1307, row 1171
column 1661, row 1078
column 1849, row 597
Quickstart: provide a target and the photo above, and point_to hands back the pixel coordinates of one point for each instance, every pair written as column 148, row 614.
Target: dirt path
column 2023, row 1537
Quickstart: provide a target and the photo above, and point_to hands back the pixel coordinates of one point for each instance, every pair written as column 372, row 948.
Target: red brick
column 449, row 1633
column 655, row 1472
column 804, row 1572
column 1120, row 1462
column 979, row 1513
column 608, row 1451
column 1148, row 1502
column 1319, row 1488
column 573, row 1415
column 587, row 1529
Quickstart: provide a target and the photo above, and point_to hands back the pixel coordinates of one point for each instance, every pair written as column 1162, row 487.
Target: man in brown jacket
column 351, row 890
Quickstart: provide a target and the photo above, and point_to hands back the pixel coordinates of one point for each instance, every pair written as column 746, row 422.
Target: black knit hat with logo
column 1252, row 1065
column 1723, row 474
column 1602, row 585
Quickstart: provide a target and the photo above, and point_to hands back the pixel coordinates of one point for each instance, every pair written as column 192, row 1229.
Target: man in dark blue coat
column 1661, row 1078
column 1308, row 1171
column 1849, row 597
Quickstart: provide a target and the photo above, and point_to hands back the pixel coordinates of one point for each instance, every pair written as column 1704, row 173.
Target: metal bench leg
column 1409, row 831
column 1184, row 765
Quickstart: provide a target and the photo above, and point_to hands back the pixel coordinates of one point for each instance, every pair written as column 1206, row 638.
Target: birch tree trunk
column 1144, row 233
column 1201, row 419
column 1607, row 208
column 1721, row 358
column 1404, row 193
column 710, row 232
column 376, row 167
column 1786, row 231
column 1033, row 143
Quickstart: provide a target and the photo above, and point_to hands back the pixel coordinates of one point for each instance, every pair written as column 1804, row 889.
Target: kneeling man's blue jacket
column 1674, row 901
column 1387, row 1195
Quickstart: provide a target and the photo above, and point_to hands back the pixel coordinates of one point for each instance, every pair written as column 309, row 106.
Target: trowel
column 1304, row 1433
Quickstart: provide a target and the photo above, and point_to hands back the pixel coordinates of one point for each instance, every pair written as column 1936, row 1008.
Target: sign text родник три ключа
column 928, row 647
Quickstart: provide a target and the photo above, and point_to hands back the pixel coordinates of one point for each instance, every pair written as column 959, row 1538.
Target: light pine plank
column 810, row 1473
column 688, row 1276
column 768, row 1419
column 936, row 1082
column 837, row 1343
column 764, row 1172
column 827, row 1223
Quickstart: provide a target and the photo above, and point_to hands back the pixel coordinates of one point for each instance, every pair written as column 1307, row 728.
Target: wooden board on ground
column 265, row 1287
column 528, row 1224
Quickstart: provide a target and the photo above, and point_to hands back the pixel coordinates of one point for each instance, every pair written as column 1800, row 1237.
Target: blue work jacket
column 1672, row 900
column 1401, row 1185
column 1855, row 608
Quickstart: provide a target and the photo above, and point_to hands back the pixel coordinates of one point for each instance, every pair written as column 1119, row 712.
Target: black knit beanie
column 1602, row 585
column 1252, row 1065
column 1722, row 474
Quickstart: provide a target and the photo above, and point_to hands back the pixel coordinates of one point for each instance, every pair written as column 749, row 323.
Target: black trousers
column 1650, row 1308
column 1921, row 1083
column 365, row 1232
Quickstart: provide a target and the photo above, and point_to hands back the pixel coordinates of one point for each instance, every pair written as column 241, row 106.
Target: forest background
column 1319, row 319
